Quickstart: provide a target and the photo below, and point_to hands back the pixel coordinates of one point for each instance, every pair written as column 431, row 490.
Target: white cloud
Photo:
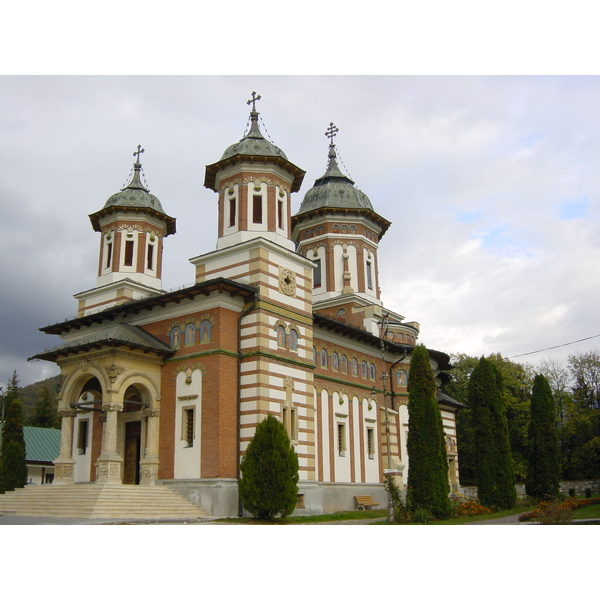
column 476, row 174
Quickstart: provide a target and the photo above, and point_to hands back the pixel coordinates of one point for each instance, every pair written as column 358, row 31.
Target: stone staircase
column 94, row 501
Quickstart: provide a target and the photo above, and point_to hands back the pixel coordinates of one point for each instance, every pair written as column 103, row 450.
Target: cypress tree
column 13, row 468
column 493, row 458
column 428, row 486
column 269, row 483
column 543, row 472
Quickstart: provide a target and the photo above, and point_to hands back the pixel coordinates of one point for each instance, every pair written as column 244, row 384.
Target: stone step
column 99, row 501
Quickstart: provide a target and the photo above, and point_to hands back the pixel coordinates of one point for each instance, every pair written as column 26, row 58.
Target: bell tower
column 132, row 225
column 254, row 180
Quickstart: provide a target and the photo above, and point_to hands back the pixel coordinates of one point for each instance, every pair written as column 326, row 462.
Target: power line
column 552, row 347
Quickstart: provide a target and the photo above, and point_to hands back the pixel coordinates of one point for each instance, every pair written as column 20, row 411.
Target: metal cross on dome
column 331, row 133
column 137, row 154
column 253, row 101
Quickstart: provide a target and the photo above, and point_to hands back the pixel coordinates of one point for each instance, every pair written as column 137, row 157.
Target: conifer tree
column 493, row 458
column 543, row 472
column 269, row 484
column 44, row 411
column 13, row 468
column 428, row 486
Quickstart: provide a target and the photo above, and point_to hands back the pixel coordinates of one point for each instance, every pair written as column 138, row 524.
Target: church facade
column 284, row 318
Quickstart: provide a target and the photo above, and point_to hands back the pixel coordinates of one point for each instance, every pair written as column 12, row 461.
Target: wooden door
column 131, row 458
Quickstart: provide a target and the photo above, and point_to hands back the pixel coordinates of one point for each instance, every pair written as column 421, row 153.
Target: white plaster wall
column 324, row 408
column 342, row 463
column 82, row 467
column 187, row 460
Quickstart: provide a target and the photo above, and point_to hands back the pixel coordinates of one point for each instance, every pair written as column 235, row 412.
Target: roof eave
column 170, row 222
column 210, row 176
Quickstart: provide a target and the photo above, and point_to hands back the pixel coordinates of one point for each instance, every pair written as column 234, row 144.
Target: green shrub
column 269, row 484
column 572, row 492
column 588, row 492
column 421, row 515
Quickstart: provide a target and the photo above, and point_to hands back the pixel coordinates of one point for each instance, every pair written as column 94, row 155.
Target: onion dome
column 253, row 147
column 336, row 192
column 134, row 197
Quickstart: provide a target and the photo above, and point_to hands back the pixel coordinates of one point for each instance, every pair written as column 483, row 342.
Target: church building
column 285, row 318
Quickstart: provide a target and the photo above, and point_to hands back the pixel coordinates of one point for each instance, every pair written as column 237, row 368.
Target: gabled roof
column 41, row 445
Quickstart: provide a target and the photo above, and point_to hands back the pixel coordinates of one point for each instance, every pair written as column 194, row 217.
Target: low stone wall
column 579, row 485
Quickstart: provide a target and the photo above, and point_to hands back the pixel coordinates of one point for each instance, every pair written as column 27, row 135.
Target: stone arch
column 148, row 388
column 75, row 382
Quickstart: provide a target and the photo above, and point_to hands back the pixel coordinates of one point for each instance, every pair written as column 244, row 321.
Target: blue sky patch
column 573, row 208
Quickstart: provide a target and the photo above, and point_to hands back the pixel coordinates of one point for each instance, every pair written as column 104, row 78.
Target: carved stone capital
column 67, row 412
column 112, row 407
column 151, row 412
column 113, row 371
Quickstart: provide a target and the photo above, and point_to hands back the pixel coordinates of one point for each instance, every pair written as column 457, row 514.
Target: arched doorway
column 133, row 404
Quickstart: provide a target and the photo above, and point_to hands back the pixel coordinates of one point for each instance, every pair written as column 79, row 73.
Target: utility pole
column 384, row 376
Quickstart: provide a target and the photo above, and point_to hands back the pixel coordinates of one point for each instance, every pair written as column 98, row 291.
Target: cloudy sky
column 491, row 185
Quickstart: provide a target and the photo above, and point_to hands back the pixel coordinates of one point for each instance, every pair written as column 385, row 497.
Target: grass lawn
column 369, row 514
column 587, row 512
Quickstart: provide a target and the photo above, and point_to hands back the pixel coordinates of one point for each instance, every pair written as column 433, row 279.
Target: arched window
column 334, row 361
column 372, row 372
column 175, row 337
column 293, row 339
column 205, row 331
column 341, row 314
column 354, row 367
column 324, row 358
column 281, row 336
column 363, row 369
column 401, row 378
column 190, row 334
column 344, row 364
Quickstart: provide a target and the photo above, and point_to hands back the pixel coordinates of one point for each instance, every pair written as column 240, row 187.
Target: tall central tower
column 254, row 181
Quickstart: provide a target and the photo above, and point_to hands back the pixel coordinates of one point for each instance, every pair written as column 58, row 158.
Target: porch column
column 149, row 462
column 63, row 465
column 108, row 467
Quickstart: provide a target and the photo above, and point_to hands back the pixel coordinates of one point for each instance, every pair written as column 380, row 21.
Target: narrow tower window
column 369, row 276
column 108, row 255
column 128, row 254
column 232, row 215
column 280, row 214
column 317, row 273
column 150, row 257
column 257, row 209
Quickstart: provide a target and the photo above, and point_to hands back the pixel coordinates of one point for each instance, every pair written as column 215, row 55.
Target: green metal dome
column 134, row 197
column 135, row 194
column 334, row 190
column 253, row 143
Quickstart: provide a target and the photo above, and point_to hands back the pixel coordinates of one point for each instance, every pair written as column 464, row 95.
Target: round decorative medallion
column 287, row 282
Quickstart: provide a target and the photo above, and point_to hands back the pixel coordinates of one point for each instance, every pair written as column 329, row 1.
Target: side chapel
column 285, row 317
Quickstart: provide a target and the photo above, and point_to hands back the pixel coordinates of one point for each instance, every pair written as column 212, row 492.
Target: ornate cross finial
column 137, row 154
column 331, row 133
column 253, row 101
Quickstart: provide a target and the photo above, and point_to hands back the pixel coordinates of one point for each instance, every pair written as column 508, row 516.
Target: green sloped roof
column 41, row 444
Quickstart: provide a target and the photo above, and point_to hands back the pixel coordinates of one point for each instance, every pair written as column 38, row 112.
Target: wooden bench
column 364, row 502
